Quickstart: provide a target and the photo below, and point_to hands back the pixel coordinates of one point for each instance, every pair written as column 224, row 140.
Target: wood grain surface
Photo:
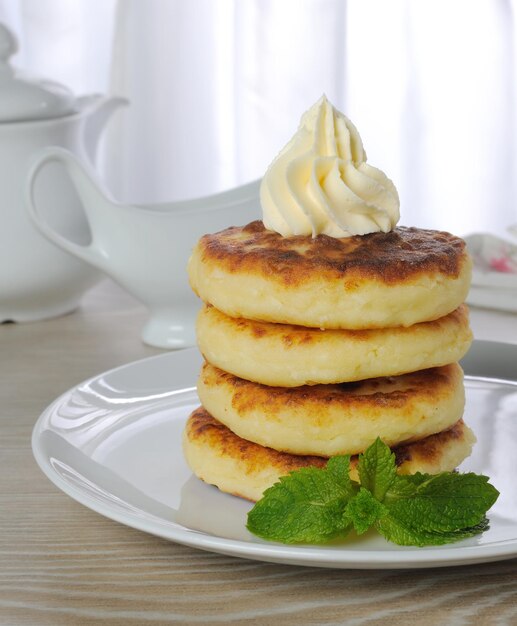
column 61, row 563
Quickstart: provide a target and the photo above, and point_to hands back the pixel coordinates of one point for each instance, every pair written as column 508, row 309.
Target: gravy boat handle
column 87, row 191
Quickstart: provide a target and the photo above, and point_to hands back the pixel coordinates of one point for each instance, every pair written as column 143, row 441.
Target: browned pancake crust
column 287, row 355
column 253, row 458
column 428, row 449
column 202, row 426
column 398, row 256
column 291, row 335
column 358, row 396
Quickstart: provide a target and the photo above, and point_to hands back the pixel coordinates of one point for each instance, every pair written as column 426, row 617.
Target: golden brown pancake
column 327, row 420
column 246, row 469
column 380, row 280
column 288, row 356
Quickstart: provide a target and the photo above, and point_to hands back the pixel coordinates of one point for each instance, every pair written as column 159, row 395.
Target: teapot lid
column 24, row 98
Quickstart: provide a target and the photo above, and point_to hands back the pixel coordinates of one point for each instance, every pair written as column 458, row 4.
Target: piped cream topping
column 320, row 182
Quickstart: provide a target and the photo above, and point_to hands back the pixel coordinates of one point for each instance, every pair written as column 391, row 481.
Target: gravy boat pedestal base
column 171, row 329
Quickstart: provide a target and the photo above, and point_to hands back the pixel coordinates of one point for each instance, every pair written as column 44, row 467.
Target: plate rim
column 312, row 556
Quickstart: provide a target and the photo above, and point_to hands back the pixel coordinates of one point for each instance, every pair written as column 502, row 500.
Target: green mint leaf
column 415, row 479
column 444, row 503
column 305, row 506
column 399, row 532
column 405, row 486
column 377, row 470
column 363, row 510
column 339, row 468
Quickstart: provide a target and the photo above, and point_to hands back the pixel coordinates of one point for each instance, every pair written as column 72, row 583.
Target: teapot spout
column 98, row 110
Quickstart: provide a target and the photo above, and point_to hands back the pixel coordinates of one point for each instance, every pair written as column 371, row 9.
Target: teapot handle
column 87, row 191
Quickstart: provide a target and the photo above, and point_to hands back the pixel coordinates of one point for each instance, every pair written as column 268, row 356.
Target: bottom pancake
column 246, row 469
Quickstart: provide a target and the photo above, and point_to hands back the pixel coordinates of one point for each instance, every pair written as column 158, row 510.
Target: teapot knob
column 8, row 45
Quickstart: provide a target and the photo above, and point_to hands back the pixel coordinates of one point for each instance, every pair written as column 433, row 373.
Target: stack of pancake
column 314, row 347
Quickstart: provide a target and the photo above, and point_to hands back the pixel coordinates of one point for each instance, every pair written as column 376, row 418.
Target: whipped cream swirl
column 320, row 182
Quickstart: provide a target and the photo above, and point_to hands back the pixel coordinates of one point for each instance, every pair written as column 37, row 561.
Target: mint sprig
column 306, row 506
column 314, row 505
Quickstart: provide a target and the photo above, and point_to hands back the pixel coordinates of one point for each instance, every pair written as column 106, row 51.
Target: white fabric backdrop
column 217, row 88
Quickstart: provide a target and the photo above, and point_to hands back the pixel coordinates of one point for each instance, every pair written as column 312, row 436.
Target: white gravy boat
column 145, row 249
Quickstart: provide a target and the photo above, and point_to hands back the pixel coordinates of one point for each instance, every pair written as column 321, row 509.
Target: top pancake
column 380, row 280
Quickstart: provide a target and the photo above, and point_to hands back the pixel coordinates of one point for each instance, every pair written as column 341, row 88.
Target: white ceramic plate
column 113, row 443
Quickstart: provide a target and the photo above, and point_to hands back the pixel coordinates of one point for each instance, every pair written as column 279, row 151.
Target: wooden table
column 61, row 563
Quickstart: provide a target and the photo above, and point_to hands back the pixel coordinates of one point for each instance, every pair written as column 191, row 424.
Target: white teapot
column 38, row 280
column 145, row 248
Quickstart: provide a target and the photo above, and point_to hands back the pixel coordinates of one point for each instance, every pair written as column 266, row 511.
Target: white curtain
column 217, row 87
